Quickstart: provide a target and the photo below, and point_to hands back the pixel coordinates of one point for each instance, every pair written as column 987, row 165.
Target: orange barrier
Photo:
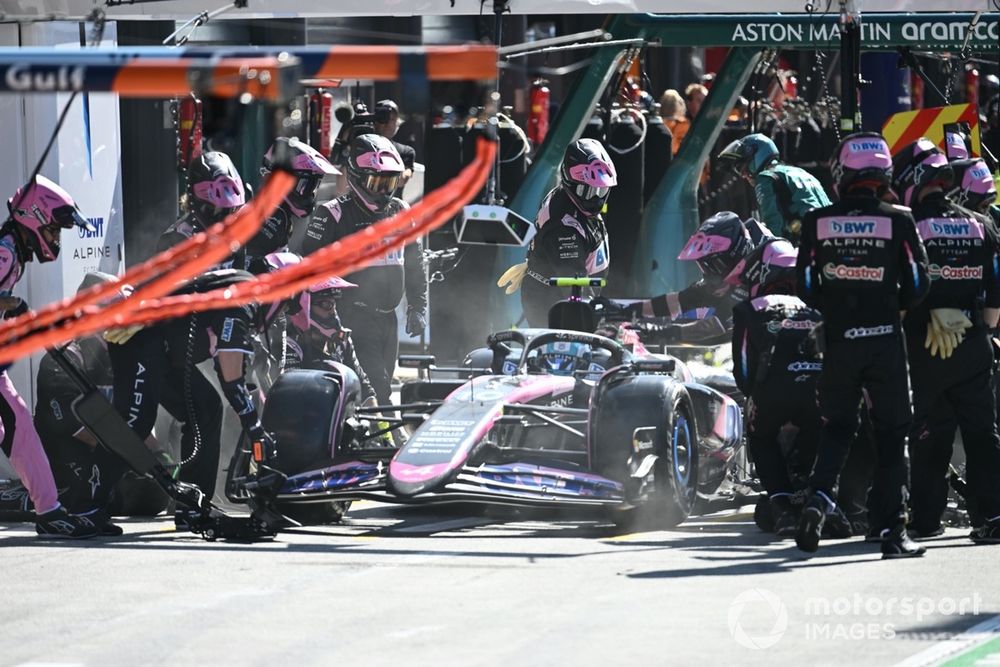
column 226, row 78
column 382, row 63
column 86, row 316
column 349, row 254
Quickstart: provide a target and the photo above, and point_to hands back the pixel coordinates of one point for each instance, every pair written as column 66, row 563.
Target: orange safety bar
column 84, row 316
column 229, row 77
column 382, row 63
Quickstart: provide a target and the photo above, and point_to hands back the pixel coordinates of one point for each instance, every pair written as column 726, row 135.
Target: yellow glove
column 945, row 331
column 941, row 343
column 122, row 336
column 951, row 319
column 386, row 438
column 933, row 340
column 512, row 277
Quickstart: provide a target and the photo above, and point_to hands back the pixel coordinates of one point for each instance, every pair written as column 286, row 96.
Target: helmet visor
column 591, row 193
column 383, row 184
column 718, row 265
column 306, row 185
column 323, row 310
column 68, row 217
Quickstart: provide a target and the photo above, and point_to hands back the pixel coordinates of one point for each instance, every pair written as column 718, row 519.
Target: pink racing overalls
column 18, row 438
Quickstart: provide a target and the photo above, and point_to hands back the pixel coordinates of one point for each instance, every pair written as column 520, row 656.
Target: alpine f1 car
column 552, row 418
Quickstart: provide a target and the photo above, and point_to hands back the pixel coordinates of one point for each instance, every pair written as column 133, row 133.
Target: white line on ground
column 978, row 634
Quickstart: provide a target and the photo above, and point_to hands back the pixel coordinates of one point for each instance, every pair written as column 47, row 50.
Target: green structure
column 672, row 213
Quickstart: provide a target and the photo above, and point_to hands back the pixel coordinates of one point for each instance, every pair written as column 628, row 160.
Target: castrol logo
column 955, row 272
column 842, row 272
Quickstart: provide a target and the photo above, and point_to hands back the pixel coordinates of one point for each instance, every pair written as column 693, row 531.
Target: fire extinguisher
column 972, row 86
column 189, row 130
column 320, row 121
column 538, row 116
column 916, row 91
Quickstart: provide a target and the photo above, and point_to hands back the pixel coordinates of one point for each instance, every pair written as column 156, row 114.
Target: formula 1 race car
column 558, row 419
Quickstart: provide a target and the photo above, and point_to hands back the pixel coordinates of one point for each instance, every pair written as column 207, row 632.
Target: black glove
column 262, row 444
column 416, row 322
column 704, row 329
column 656, row 333
column 605, row 307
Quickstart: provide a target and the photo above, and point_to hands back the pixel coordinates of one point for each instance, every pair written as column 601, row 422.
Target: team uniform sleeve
column 767, row 203
column 415, row 284
column 233, row 329
column 914, row 282
column 991, row 267
column 351, row 359
column 807, row 275
column 744, row 355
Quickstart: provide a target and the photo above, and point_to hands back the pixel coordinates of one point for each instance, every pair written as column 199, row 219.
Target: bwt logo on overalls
column 950, row 228
column 98, row 232
column 852, row 227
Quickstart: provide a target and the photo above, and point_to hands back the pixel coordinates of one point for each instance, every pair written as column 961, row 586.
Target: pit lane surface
column 418, row 587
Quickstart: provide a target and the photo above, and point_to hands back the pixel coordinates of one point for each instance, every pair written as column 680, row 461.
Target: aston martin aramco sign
column 878, row 31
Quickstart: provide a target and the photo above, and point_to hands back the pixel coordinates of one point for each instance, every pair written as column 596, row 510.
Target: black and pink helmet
column 215, row 188
column 587, row 175
column 275, row 261
column 767, row 269
column 862, row 161
column 955, row 146
column 373, row 170
column 719, row 245
column 974, row 187
column 308, row 165
column 42, row 210
column 918, row 165
column 317, row 307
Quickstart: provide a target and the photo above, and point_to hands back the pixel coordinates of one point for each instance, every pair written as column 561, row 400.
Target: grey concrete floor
column 418, row 587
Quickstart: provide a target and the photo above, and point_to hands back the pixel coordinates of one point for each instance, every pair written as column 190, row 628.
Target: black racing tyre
column 315, row 514
column 642, row 402
column 138, row 496
column 299, row 413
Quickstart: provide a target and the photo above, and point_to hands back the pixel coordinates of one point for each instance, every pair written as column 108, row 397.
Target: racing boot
column 924, row 533
column 811, row 522
column 837, row 526
column 987, row 533
column 60, row 524
column 15, row 504
column 897, row 544
column 763, row 514
column 859, row 524
column 786, row 516
column 101, row 519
